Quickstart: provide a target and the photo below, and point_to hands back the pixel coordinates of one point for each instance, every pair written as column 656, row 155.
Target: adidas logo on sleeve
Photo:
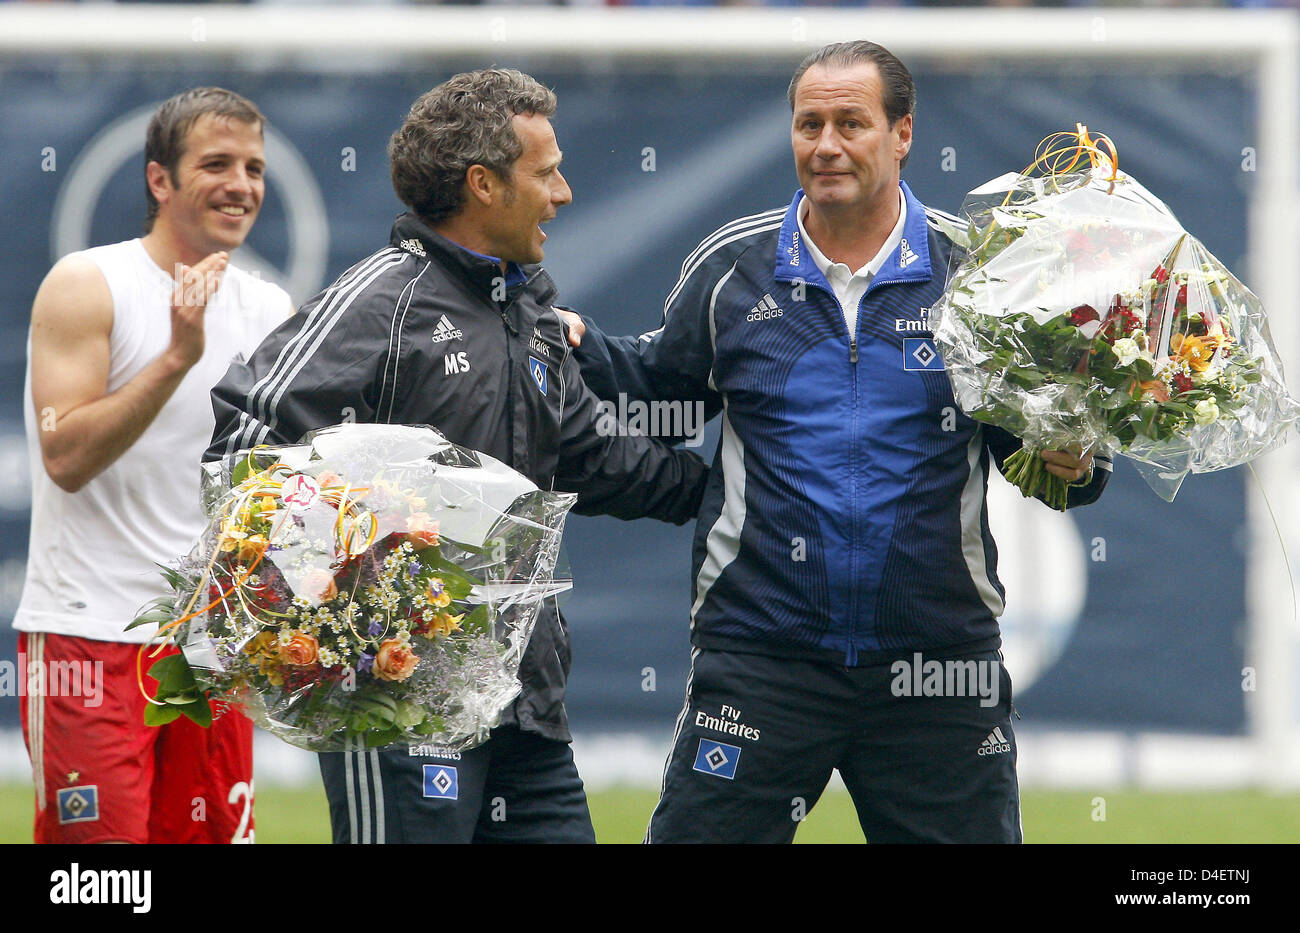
column 765, row 309
column 995, row 744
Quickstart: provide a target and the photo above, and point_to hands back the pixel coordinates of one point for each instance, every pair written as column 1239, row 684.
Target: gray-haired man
column 453, row 326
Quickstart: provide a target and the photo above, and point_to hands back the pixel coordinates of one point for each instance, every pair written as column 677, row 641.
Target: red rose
column 296, row 679
column 1182, row 382
column 1083, row 314
column 1161, row 275
column 1076, row 242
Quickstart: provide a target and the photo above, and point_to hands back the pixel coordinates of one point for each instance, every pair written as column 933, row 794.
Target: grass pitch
column 298, row 815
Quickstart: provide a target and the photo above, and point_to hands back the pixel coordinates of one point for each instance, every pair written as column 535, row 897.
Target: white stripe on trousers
column 36, row 716
column 365, row 805
column 379, row 796
column 364, row 782
column 352, row 796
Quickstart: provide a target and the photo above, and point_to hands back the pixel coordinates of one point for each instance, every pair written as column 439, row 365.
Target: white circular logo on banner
column 287, row 172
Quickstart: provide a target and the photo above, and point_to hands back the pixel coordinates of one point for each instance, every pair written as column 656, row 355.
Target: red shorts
column 102, row 775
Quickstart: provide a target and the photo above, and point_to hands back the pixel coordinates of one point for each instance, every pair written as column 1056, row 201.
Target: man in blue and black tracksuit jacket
column 842, row 554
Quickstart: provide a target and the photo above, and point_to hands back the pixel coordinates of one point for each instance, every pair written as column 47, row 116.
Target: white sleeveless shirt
column 92, row 555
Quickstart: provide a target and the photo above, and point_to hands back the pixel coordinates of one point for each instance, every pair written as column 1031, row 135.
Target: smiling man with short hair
column 127, row 340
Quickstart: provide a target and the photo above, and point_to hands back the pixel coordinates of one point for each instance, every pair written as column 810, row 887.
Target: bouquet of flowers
column 375, row 584
column 1078, row 312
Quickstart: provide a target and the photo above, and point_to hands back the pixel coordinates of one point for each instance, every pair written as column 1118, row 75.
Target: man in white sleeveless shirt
column 126, row 342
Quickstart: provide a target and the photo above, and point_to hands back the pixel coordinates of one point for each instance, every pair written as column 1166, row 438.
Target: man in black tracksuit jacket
column 434, row 330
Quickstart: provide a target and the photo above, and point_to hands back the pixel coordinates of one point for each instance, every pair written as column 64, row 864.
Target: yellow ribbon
column 267, row 481
column 1062, row 153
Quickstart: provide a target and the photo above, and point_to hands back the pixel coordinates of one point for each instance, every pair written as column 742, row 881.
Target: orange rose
column 421, row 530
column 329, row 478
column 319, row 586
column 395, row 660
column 300, row 651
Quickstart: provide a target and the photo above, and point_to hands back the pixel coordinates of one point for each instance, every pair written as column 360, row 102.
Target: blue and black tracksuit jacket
column 845, row 515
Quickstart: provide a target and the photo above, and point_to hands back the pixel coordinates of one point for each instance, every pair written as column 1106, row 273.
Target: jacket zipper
column 520, row 459
column 516, row 462
column 851, row 657
column 851, row 654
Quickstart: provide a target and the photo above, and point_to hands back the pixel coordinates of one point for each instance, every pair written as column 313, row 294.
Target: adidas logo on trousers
column 995, row 744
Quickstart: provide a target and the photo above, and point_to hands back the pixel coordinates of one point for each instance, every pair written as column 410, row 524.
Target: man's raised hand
column 576, row 327
column 193, row 287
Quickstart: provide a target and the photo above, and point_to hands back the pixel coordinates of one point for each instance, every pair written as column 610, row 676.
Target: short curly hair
column 464, row 121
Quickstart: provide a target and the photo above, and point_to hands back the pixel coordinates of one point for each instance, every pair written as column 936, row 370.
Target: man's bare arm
column 83, row 428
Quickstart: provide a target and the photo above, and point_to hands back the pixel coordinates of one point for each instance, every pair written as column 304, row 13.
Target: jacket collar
column 909, row 262
column 414, row 236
